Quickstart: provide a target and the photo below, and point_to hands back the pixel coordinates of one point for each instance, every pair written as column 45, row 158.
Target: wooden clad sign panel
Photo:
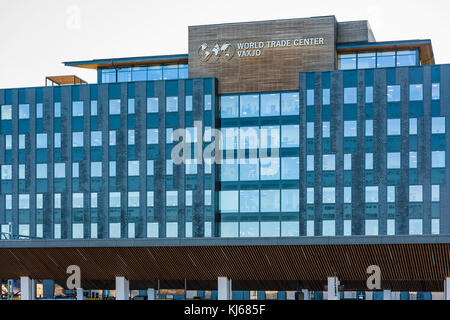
column 262, row 56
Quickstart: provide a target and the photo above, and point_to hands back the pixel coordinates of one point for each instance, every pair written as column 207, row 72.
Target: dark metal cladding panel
column 402, row 214
column 160, row 163
column 141, row 142
column 49, row 198
column 103, row 196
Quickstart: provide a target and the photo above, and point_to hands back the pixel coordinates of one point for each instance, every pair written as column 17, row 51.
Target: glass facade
column 362, row 156
column 373, row 60
column 150, row 73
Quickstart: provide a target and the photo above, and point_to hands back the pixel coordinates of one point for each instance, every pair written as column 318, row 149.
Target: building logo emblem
column 216, row 52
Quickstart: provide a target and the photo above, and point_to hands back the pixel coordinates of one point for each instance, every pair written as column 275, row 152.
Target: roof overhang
column 64, row 80
column 407, row 263
column 424, row 46
column 129, row 62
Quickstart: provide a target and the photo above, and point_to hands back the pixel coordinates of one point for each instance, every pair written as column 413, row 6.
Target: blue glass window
column 386, row 59
column 350, row 95
column 41, row 171
column 124, row 75
column 393, row 160
column 369, row 128
column 114, row 199
column 326, row 97
column 329, row 195
column 114, row 107
column 438, row 125
column 369, row 161
column 109, row 75
column 249, row 105
column 133, row 168
column 131, row 137
column 270, row 169
column 188, row 103
column 152, row 136
column 249, row 169
column 96, row 169
column 229, row 106
column 94, row 108
column 369, row 94
column 207, row 102
column 170, row 72
column 77, row 108
column 436, row 91
column 371, row 228
column 413, row 160
column 310, row 163
column 248, row 138
column 367, row 60
column 77, row 139
column 77, row 200
column 393, row 93
column 152, row 105
column 39, row 111
column 290, row 136
column 150, row 168
column 347, row 162
column 229, row 170
column 6, row 112
column 249, row 201
column 172, row 104
column 112, row 168
column 290, row 168
column 406, row 58
column 438, row 159
column 133, row 199
column 229, row 201
column 172, row 198
column 371, row 194
column 290, row 104
column 154, row 73
column 393, row 127
column 310, row 130
column 416, row 92
column 96, row 139
column 310, row 101
column 270, row 137
column 139, row 73
column 60, row 170
column 24, row 111
column 22, row 142
column 350, row 129
column 329, row 162
column 6, row 172
column 75, row 170
column 41, row 141
column 436, row 193
column 270, row 200
column 413, row 126
column 57, row 107
column 326, row 129
column 347, row 62
column 270, row 105
column 415, row 226
column 415, row 194
column 290, row 200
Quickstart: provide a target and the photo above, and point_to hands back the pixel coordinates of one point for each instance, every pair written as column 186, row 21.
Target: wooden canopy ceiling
column 263, row 264
column 64, row 80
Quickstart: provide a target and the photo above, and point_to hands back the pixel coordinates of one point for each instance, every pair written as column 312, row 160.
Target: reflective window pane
column 249, row 106
column 229, row 106
column 270, row 105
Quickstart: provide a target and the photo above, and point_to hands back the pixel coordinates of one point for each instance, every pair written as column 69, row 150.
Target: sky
column 37, row 36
